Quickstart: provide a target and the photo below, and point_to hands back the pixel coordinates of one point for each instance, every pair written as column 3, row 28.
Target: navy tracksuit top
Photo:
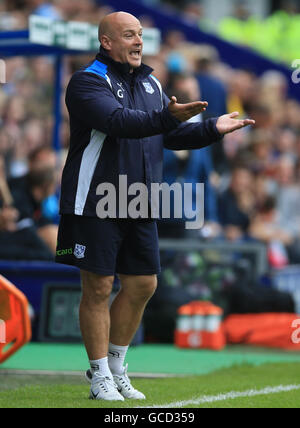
column 120, row 124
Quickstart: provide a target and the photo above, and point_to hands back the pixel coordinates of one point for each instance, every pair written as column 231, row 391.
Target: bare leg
column 94, row 313
column 128, row 307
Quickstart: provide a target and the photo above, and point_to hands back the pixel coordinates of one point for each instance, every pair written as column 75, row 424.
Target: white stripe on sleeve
column 88, row 165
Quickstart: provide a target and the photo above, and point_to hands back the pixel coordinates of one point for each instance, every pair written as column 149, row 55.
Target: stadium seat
column 15, row 325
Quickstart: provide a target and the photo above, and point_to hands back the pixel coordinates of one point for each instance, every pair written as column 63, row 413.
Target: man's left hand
column 228, row 123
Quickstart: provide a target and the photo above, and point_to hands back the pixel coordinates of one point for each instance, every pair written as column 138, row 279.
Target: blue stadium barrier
column 34, row 279
column 31, row 277
column 17, row 43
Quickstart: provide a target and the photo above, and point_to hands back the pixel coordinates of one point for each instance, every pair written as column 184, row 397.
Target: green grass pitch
column 211, row 390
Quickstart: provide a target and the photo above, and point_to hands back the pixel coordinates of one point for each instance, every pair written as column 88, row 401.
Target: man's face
column 125, row 44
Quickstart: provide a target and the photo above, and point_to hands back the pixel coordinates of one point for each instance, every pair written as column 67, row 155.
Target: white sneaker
column 123, row 385
column 125, row 388
column 104, row 388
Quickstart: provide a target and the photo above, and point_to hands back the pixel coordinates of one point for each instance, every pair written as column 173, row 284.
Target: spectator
column 194, row 13
column 266, row 228
column 212, row 89
column 8, row 214
column 44, row 8
column 288, row 197
column 243, row 90
column 190, row 166
column 45, row 158
column 286, row 144
column 237, row 204
column 263, row 116
column 30, row 236
column 85, row 11
column 173, row 39
column 27, row 220
column 292, row 115
column 214, row 92
column 273, row 87
column 281, row 211
column 187, row 86
column 241, row 10
column 160, row 70
column 12, row 15
column 260, row 154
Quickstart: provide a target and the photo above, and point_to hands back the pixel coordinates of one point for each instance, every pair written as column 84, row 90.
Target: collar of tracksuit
column 123, row 69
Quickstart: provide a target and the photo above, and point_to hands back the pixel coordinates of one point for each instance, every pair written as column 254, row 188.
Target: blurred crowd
column 275, row 33
column 251, row 178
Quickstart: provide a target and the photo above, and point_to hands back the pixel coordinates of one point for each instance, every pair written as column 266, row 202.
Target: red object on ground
column 15, row 325
column 274, row 330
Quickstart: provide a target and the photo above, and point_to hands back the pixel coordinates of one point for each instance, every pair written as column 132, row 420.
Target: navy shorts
column 109, row 246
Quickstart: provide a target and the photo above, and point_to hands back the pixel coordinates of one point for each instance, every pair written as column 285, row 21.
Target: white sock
column 116, row 358
column 101, row 366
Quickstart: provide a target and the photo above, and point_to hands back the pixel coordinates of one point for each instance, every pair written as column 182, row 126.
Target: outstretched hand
column 184, row 112
column 228, row 123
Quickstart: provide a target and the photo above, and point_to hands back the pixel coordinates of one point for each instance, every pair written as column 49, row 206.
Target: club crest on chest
column 148, row 87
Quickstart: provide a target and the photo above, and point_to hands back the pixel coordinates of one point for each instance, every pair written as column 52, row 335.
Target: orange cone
column 15, row 326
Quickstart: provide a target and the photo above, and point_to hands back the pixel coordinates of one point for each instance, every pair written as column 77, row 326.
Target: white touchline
column 227, row 396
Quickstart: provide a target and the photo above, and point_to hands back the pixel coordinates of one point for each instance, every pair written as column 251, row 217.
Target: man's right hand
column 184, row 112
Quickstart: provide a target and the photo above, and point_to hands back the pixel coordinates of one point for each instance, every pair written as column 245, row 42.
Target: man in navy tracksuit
column 120, row 123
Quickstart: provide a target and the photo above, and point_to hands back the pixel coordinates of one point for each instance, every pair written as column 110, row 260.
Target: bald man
column 120, row 122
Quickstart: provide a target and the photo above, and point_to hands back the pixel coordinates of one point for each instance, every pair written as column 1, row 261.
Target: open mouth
column 136, row 54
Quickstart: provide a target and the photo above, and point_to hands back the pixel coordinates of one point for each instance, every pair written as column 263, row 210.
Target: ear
column 105, row 42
